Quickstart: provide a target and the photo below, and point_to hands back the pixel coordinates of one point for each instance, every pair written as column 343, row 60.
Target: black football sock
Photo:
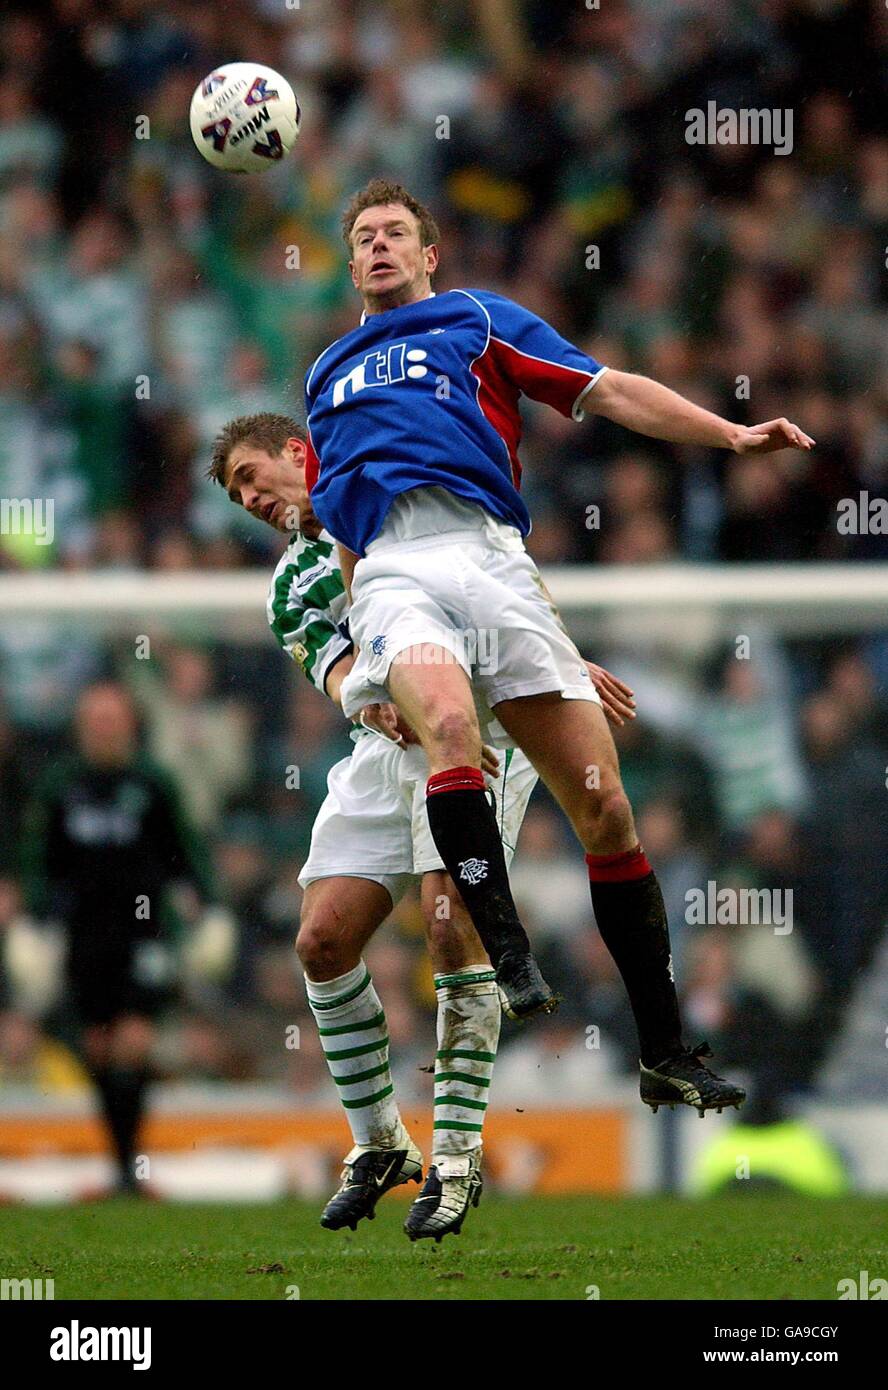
column 123, row 1101
column 631, row 917
column 463, row 827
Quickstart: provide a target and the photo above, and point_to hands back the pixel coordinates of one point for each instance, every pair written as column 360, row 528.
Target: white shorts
column 374, row 824
column 477, row 594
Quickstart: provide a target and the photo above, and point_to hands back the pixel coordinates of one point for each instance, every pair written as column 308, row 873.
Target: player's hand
column 402, row 728
column 489, row 761
column 769, row 437
column 617, row 700
column 386, row 719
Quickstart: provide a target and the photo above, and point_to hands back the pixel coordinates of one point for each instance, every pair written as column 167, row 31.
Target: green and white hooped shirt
column 307, row 603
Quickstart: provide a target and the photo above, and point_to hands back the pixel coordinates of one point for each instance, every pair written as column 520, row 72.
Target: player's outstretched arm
column 650, row 408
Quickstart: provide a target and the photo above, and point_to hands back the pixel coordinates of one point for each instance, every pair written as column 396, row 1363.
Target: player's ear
column 354, row 274
column 431, row 259
column 297, row 449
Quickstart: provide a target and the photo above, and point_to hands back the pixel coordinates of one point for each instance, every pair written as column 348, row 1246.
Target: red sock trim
column 456, row 779
column 618, row 868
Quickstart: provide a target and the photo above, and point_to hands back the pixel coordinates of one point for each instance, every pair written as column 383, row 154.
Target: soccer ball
column 244, row 117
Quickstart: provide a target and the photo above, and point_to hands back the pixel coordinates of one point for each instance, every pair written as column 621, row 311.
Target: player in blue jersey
column 414, row 429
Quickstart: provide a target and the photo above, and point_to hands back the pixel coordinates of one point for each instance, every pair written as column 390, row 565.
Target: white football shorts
column 473, row 592
column 373, row 822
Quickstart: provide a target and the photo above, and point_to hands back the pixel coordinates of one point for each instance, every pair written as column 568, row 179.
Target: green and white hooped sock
column 351, row 1023
column 468, row 1034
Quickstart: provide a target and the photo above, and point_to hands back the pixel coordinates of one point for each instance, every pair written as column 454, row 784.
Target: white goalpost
column 797, row 598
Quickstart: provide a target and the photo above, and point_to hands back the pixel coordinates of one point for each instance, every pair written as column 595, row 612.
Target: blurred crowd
column 145, row 298
column 764, row 772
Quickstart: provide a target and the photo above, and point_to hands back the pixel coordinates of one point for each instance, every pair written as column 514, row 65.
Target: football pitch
column 755, row 1246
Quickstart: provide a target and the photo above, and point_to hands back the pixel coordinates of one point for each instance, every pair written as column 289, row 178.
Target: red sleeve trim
column 312, row 463
column 553, row 383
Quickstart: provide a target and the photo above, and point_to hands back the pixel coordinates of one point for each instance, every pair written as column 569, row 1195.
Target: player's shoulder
column 502, row 315
column 330, row 353
column 304, row 552
column 290, row 554
column 302, row 561
column 489, row 300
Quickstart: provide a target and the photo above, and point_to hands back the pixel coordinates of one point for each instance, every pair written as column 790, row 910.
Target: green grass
column 756, row 1246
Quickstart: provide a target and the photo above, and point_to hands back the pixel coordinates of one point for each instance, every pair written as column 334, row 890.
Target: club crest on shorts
column 473, row 870
column 377, row 646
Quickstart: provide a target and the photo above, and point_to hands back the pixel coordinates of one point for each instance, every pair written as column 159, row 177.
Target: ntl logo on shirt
column 381, row 369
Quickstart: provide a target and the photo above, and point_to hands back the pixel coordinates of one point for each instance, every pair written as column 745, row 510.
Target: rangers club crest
column 473, row 870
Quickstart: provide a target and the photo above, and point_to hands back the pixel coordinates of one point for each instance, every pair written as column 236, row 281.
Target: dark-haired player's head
column 393, row 244
column 260, row 462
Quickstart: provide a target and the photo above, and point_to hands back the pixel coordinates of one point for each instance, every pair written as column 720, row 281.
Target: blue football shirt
column 426, row 395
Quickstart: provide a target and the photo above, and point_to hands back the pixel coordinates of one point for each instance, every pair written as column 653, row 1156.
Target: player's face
column 272, row 486
column 390, row 265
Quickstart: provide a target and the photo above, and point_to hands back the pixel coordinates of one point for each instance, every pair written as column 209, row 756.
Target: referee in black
column 104, row 842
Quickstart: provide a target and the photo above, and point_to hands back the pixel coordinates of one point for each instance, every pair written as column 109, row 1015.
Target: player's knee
column 455, row 736
column 605, row 819
column 320, row 950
